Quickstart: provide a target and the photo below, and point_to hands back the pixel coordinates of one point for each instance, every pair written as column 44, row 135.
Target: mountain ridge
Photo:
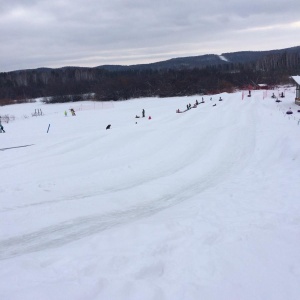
column 204, row 60
column 197, row 61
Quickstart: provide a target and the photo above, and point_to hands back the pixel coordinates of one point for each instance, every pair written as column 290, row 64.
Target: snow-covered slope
column 222, row 57
column 198, row 205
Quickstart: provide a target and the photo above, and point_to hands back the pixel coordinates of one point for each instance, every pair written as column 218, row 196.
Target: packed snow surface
column 196, row 205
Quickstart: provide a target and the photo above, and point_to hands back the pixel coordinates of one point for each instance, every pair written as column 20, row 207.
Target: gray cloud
column 36, row 33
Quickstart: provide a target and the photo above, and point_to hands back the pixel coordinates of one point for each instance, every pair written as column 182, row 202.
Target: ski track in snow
column 228, row 159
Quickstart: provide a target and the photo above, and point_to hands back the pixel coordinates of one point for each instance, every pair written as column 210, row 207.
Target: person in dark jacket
column 143, row 113
column 1, row 128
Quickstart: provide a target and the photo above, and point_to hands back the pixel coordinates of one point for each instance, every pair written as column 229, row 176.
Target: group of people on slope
column 72, row 112
column 189, row 106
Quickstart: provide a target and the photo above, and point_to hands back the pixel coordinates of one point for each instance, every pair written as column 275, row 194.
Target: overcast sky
column 56, row 33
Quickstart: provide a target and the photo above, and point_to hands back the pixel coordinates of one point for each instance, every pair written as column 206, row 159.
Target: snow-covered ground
column 199, row 205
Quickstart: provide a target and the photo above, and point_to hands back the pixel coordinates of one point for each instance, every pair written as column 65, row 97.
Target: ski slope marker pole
column 48, row 128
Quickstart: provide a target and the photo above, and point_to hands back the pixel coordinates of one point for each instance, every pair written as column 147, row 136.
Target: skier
column 143, row 113
column 1, row 128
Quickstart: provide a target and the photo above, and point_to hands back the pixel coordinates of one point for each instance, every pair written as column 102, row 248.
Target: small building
column 297, row 80
column 263, row 86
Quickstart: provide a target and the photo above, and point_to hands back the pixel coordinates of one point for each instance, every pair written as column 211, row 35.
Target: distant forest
column 206, row 74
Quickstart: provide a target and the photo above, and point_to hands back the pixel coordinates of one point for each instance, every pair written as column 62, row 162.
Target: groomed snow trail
column 197, row 205
column 208, row 157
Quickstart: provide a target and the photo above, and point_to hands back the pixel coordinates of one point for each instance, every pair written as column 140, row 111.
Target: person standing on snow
column 143, row 113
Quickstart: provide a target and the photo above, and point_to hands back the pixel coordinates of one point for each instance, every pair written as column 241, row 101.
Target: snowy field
column 199, row 205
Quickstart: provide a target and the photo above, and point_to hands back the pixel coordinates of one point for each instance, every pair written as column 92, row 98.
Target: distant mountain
column 251, row 56
column 174, row 63
column 203, row 61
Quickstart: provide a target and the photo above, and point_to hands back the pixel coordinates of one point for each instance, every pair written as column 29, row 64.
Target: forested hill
column 174, row 77
column 203, row 61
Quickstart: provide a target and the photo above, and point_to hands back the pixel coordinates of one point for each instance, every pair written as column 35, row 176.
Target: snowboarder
column 66, row 114
column 72, row 112
column 108, row 126
column 2, row 128
column 143, row 113
column 197, row 102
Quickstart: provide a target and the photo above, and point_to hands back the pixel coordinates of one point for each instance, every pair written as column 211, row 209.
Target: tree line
column 74, row 83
